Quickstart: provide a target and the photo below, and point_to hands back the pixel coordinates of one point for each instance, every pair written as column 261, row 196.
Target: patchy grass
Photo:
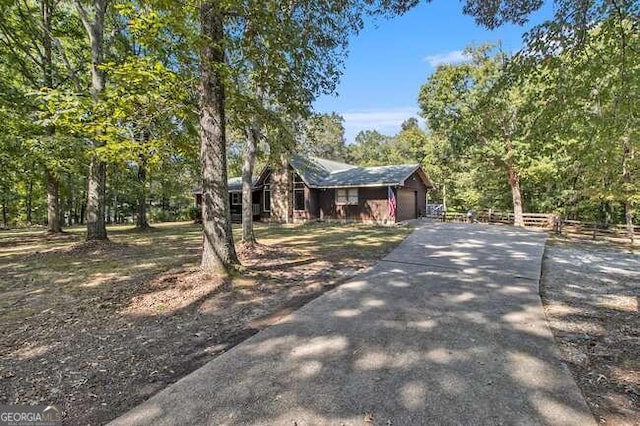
column 98, row 327
column 591, row 292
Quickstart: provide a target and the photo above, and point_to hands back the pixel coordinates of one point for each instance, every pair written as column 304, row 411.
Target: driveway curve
column 447, row 329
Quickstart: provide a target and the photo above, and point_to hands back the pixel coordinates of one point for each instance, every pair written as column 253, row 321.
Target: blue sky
column 390, row 59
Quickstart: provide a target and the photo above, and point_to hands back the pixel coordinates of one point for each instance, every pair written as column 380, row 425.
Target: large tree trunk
column 96, row 180
column 514, row 183
column 141, row 223
column 53, row 202
column 218, row 251
column 253, row 134
column 51, row 181
column 96, row 228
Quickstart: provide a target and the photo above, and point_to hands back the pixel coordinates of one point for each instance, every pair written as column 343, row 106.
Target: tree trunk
column 514, row 183
column 141, row 223
column 107, row 214
column 627, row 159
column 47, row 63
column 29, row 203
column 51, row 180
column 253, row 134
column 96, row 228
column 115, row 208
column 96, row 180
column 5, row 214
column 70, row 201
column 83, row 213
column 218, row 251
column 53, row 202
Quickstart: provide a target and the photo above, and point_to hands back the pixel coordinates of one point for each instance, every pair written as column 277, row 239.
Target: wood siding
column 310, row 203
column 373, row 206
column 412, row 198
column 320, row 204
column 407, row 203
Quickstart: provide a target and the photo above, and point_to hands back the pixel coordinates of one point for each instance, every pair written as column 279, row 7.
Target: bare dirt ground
column 591, row 293
column 97, row 328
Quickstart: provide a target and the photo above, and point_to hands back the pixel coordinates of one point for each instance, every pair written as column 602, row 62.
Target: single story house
column 310, row 188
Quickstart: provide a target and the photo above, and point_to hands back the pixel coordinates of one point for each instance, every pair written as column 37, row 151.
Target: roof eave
column 366, row 185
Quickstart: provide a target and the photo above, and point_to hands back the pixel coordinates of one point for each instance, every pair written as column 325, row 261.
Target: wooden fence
column 537, row 220
column 547, row 221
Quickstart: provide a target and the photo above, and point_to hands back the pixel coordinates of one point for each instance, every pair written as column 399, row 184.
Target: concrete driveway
column 448, row 329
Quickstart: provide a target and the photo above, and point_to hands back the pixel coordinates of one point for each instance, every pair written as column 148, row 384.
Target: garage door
column 407, row 204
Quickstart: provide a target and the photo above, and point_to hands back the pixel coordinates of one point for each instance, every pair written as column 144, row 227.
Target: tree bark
column 96, row 179
column 53, row 202
column 96, row 228
column 253, row 135
column 142, row 224
column 514, row 183
column 281, row 191
column 218, row 251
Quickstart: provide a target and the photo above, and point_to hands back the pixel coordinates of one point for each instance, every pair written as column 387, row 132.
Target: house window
column 236, row 198
column 267, row 200
column 298, row 199
column 347, row 196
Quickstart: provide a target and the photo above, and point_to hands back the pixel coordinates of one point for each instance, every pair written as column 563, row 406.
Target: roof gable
column 312, row 172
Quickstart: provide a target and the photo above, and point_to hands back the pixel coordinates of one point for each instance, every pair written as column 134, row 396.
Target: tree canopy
column 103, row 104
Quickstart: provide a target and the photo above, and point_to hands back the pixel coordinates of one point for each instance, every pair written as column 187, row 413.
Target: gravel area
column 591, row 292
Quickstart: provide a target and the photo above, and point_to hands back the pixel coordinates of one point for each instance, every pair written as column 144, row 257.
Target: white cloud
column 453, row 57
column 384, row 121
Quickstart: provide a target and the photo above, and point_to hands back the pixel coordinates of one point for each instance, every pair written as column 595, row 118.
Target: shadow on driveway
column 448, row 329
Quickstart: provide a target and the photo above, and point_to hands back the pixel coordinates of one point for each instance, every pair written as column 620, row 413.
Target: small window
column 347, row 196
column 267, row 200
column 236, row 198
column 298, row 199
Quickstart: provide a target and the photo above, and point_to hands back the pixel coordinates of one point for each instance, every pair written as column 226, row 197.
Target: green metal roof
column 370, row 176
column 323, row 173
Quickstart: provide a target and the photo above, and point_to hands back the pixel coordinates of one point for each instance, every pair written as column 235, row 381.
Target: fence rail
column 548, row 221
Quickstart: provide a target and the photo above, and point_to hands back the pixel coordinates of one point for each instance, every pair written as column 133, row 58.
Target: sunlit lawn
column 35, row 267
column 129, row 309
